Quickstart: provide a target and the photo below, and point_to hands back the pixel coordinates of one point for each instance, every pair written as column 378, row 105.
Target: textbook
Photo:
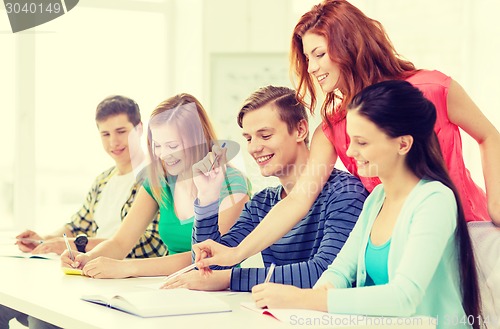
column 161, row 302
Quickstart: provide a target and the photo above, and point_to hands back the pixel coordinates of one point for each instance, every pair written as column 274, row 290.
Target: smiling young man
column 118, row 121
column 109, row 199
column 275, row 126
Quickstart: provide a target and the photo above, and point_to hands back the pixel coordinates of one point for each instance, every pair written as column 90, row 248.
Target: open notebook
column 13, row 251
column 308, row 318
column 284, row 314
column 161, row 302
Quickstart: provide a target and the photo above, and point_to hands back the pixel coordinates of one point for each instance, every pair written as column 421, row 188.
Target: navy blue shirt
column 307, row 249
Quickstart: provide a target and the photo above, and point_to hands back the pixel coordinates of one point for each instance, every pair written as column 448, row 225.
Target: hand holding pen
column 208, row 176
column 270, row 273
column 218, row 156
column 68, row 247
column 279, row 295
column 28, row 240
column 212, row 161
column 169, row 278
column 262, row 293
column 68, row 258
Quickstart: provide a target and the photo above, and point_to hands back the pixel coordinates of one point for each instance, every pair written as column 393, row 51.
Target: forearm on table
column 159, row 266
column 111, row 248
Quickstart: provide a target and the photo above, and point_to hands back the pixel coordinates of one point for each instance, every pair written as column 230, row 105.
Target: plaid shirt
column 150, row 243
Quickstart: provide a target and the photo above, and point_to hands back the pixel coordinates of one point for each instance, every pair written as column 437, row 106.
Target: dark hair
column 398, row 109
column 358, row 44
column 115, row 105
column 290, row 110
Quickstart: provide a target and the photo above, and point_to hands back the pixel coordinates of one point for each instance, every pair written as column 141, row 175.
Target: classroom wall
column 52, row 77
column 458, row 37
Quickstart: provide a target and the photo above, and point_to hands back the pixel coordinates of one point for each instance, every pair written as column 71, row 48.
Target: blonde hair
column 187, row 114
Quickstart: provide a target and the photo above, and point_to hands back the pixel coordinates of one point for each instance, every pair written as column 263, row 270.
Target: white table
column 39, row 287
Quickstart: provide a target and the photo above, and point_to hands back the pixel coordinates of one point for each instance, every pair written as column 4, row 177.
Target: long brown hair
column 186, row 113
column 358, row 44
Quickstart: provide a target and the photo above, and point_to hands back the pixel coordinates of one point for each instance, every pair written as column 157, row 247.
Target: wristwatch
column 81, row 241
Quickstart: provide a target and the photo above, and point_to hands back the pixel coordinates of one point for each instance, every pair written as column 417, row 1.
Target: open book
column 162, row 302
column 302, row 317
column 13, row 251
column 284, row 314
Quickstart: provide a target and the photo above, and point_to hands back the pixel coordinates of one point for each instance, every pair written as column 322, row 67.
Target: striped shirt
column 149, row 244
column 304, row 252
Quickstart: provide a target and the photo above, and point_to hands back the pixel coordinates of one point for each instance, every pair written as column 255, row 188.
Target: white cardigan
column 422, row 262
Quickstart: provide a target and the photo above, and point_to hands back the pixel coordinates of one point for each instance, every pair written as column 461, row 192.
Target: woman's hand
column 210, row 252
column 28, row 240
column 273, row 295
column 56, row 245
column 195, row 280
column 107, row 268
column 208, row 175
column 79, row 262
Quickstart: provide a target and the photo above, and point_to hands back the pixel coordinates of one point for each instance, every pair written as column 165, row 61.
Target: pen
column 28, row 240
column 216, row 158
column 68, row 247
column 179, row 272
column 270, row 273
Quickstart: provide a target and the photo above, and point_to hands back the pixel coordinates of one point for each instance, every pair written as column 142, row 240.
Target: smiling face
column 320, row 66
column 273, row 148
column 376, row 154
column 120, row 139
column 168, row 146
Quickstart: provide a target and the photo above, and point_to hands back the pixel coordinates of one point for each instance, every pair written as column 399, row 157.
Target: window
column 76, row 61
column 7, row 132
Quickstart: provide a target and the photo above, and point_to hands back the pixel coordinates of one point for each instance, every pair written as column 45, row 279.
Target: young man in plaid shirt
column 109, row 199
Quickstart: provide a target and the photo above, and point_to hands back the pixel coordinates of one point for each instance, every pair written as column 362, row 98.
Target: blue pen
column 216, row 158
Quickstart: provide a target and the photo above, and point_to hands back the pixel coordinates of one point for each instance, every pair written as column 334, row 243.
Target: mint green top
column 176, row 234
column 422, row 262
column 376, row 263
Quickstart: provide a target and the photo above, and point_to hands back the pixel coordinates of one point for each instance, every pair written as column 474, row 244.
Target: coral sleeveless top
column 434, row 86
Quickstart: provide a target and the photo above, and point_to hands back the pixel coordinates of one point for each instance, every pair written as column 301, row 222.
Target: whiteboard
column 233, row 77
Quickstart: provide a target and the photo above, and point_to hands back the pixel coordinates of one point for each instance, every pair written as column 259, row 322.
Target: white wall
column 458, row 37
column 52, row 77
